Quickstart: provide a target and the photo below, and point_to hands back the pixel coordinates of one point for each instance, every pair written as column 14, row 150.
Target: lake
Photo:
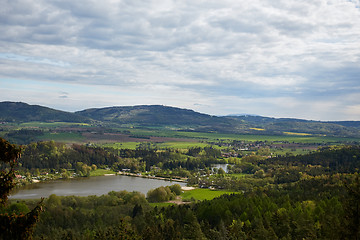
column 89, row 186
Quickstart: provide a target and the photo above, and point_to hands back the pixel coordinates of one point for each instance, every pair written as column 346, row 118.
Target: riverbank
column 183, row 180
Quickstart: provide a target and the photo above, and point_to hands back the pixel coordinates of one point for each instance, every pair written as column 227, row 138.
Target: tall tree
column 9, row 153
column 12, row 225
column 352, row 210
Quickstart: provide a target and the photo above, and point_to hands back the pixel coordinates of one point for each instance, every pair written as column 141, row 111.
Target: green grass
column 62, row 137
column 182, row 145
column 216, row 137
column 203, row 194
column 100, row 172
column 177, row 145
column 195, row 137
column 240, row 137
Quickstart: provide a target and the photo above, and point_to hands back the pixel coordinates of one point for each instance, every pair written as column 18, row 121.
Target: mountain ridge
column 178, row 118
column 18, row 111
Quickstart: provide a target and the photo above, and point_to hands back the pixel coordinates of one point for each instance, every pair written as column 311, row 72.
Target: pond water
column 89, row 186
column 224, row 166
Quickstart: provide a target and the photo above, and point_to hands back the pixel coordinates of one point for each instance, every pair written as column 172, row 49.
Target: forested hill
column 180, row 119
column 155, row 115
column 23, row 112
column 299, row 126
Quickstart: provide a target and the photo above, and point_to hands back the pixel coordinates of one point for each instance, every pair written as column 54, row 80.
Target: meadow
column 130, row 137
column 66, row 137
column 134, row 145
column 198, row 194
column 201, row 194
column 100, row 172
column 52, row 124
column 203, row 136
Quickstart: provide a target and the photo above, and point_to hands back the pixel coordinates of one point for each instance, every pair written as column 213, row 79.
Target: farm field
column 130, row 138
column 297, row 138
column 66, row 137
column 52, row 124
column 134, row 145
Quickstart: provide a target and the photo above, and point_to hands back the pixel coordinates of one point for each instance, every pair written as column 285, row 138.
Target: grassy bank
column 100, row 172
column 203, row 194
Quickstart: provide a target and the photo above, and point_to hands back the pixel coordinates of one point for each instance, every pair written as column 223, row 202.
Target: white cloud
column 209, row 49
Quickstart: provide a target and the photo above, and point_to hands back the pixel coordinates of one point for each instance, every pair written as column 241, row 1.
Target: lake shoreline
column 152, row 177
column 98, row 185
column 21, row 183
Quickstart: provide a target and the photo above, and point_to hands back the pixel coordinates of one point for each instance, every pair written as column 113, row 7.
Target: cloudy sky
column 277, row 58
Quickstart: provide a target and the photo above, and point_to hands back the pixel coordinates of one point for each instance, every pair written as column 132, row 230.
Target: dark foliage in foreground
column 270, row 214
column 13, row 225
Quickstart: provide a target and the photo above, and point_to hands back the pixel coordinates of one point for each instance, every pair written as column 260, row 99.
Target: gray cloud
column 258, row 50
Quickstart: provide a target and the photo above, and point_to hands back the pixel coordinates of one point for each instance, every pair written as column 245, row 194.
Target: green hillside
column 277, row 126
column 164, row 117
column 23, row 112
column 157, row 115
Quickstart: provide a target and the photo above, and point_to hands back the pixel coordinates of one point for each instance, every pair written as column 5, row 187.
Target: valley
column 270, row 173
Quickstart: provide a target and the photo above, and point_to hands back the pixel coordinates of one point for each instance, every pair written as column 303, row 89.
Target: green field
column 134, row 145
column 240, row 137
column 63, row 137
column 203, row 194
column 51, row 124
column 100, row 172
column 182, row 145
column 196, row 139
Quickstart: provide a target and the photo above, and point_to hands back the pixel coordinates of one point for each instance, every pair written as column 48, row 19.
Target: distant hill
column 157, row 115
column 355, row 124
column 179, row 119
column 23, row 112
column 292, row 125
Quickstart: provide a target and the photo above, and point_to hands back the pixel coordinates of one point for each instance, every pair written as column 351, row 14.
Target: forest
column 309, row 196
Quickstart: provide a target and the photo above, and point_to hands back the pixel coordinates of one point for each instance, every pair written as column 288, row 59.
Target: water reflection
column 89, row 186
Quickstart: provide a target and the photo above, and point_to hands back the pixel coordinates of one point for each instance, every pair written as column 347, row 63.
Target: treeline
column 23, row 136
column 93, row 217
column 259, row 214
column 52, row 156
column 327, row 164
column 338, row 159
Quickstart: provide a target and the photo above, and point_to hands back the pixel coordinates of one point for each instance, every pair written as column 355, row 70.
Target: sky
column 275, row 58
